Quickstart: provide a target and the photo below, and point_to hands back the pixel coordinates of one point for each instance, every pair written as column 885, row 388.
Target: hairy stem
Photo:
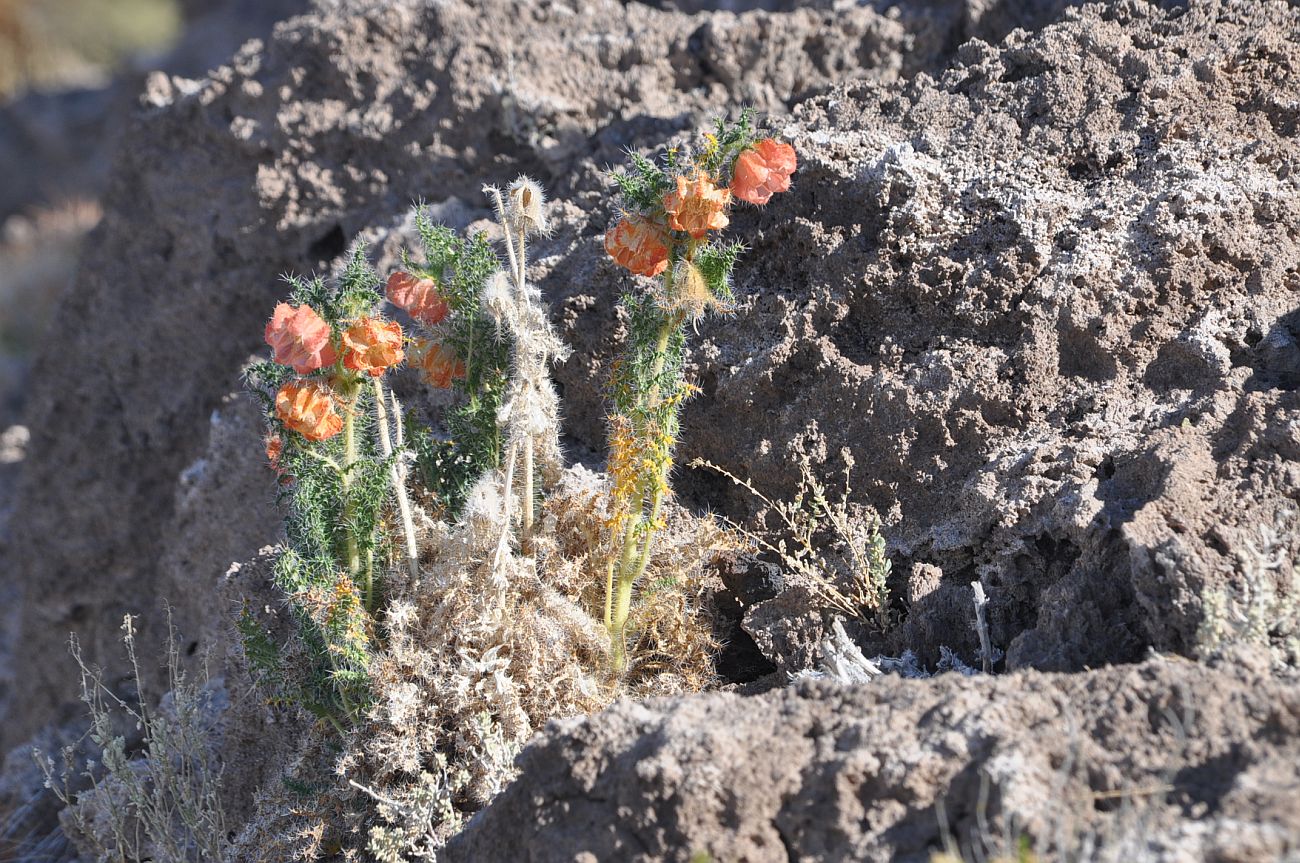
column 526, row 530
column 349, row 394
column 504, row 543
column 635, row 556
column 399, row 487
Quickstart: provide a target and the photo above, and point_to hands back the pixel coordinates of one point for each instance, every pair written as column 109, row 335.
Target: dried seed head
column 526, row 209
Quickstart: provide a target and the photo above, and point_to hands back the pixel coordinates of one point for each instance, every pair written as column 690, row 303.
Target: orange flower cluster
column 439, row 362
column 419, row 297
column 307, row 407
column 638, row 245
column 300, row 338
column 641, row 243
column 371, row 345
column 762, row 171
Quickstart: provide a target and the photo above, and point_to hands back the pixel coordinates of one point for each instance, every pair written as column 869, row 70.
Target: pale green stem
column 399, row 487
column 633, row 561
column 349, row 394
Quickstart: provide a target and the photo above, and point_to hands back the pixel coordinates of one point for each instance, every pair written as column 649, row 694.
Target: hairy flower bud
column 638, row 245
column 763, row 170
column 693, row 294
column 697, row 206
column 526, row 206
column 371, row 345
column 307, row 407
column 274, row 449
column 418, row 297
column 300, row 338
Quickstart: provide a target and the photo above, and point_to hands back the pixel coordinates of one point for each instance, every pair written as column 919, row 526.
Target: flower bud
column 526, row 206
column 693, row 294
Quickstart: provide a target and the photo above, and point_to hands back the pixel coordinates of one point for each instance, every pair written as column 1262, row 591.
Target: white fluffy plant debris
column 482, row 652
column 530, row 411
column 488, row 647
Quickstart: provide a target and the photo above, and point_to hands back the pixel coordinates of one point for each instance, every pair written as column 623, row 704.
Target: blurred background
column 58, row 63
column 70, row 74
column 70, row 71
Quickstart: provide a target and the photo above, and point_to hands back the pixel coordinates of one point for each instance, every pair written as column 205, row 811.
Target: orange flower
column 300, row 338
column 438, row 362
column 638, row 245
column 371, row 345
column 307, row 408
column 419, row 297
column 763, row 170
column 697, row 207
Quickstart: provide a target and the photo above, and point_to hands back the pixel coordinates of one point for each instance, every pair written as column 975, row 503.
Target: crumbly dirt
column 1045, row 290
column 1050, row 301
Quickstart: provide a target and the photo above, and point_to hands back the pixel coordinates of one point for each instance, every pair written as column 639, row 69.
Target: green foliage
column 449, row 466
column 727, row 142
column 645, row 183
column 715, row 262
column 355, row 292
column 644, row 186
column 649, row 388
column 335, row 494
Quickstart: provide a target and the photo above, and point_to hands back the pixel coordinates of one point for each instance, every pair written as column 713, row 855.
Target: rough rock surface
column 1047, row 292
column 1051, row 302
column 1124, row 758
column 273, row 164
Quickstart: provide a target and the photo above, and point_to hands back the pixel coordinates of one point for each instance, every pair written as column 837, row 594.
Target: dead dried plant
column 829, row 546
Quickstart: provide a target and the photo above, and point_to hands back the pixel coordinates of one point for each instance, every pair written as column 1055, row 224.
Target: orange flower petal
column 439, row 363
column 638, row 245
column 299, row 338
column 763, row 170
column 697, row 206
column 419, row 297
column 372, row 345
column 307, row 407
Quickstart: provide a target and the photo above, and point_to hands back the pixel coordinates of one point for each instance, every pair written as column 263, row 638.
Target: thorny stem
column 399, row 487
column 634, row 560
column 526, row 529
column 348, row 392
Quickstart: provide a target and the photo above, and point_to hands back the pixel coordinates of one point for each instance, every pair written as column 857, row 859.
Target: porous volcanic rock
column 1163, row 761
column 1051, row 302
column 325, row 133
